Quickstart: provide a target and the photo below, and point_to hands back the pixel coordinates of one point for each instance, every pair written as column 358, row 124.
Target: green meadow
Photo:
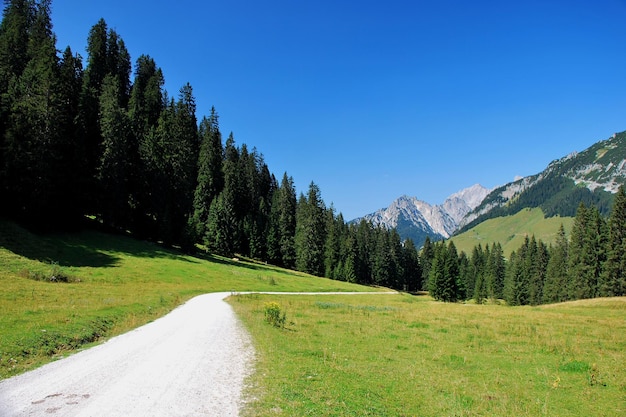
column 59, row 293
column 337, row 355
column 510, row 231
column 402, row 355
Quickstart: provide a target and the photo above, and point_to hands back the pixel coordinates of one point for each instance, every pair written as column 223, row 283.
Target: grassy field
column 114, row 284
column 339, row 355
column 401, row 355
column 511, row 230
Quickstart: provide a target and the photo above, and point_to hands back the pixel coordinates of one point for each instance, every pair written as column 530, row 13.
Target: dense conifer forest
column 99, row 137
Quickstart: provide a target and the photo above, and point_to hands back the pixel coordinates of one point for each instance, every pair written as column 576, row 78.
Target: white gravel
column 191, row 362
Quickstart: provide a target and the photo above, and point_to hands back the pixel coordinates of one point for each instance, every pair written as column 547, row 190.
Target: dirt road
column 191, row 362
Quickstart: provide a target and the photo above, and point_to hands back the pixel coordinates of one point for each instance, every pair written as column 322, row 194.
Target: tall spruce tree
column 146, row 103
column 427, row 255
column 364, row 252
column 310, row 232
column 586, row 253
column 332, row 245
column 70, row 84
column 556, row 284
column 287, row 205
column 476, row 284
column 497, row 271
column 114, row 171
column 107, row 55
column 444, row 274
column 436, row 272
column 613, row 279
column 383, row 266
column 210, row 181
column 411, row 268
column 33, row 151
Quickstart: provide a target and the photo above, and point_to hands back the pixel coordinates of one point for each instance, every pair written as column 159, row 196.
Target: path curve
column 190, row 362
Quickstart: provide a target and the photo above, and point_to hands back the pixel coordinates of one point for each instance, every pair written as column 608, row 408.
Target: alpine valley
column 591, row 177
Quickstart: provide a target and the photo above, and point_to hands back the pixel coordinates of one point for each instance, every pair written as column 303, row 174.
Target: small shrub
column 274, row 314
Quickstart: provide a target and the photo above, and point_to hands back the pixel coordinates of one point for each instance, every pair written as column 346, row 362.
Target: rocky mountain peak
column 416, row 219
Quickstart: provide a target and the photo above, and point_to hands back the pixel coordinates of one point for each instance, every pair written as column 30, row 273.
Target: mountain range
column 417, row 219
column 591, row 176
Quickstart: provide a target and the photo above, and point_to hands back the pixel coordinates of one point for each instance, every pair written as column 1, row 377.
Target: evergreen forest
column 99, row 138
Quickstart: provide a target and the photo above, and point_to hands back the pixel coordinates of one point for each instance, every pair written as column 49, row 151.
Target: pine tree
column 517, row 280
column 114, row 167
column 170, row 154
column 411, row 268
column 332, row 245
column 17, row 19
column 532, row 272
column 476, row 285
column 273, row 234
column 556, row 284
column 146, row 99
column 397, row 273
column 452, row 288
column 107, row 55
column 33, row 145
column 383, row 267
column 364, row 235
column 613, row 279
column 70, row 84
column 444, row 274
column 426, row 257
column 436, row 273
column 210, row 181
column 465, row 274
column 349, row 257
column 220, row 227
column 587, row 253
column 577, row 267
column 498, row 271
column 310, row 232
column 287, row 205
column 89, row 107
column 144, row 109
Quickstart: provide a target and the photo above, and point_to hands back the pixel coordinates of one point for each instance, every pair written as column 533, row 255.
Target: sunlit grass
column 399, row 355
column 510, row 231
column 116, row 283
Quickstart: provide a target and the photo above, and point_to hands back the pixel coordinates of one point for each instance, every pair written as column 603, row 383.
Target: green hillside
column 63, row 291
column 510, row 230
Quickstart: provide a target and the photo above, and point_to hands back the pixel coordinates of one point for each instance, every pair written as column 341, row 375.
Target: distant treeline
column 592, row 263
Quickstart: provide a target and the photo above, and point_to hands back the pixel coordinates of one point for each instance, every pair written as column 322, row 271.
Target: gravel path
column 191, row 362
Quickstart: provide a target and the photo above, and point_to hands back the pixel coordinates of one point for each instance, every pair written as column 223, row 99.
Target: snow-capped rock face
column 417, row 219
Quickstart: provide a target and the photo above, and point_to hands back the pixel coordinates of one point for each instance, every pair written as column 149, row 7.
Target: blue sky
column 372, row 100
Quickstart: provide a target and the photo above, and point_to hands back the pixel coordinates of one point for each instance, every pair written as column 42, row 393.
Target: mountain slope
column 510, row 231
column 591, row 176
column 417, row 219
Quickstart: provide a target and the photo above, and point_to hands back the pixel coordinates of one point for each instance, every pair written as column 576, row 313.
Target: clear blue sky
column 375, row 99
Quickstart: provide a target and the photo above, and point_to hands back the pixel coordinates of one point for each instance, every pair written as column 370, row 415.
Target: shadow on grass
column 79, row 249
column 244, row 263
